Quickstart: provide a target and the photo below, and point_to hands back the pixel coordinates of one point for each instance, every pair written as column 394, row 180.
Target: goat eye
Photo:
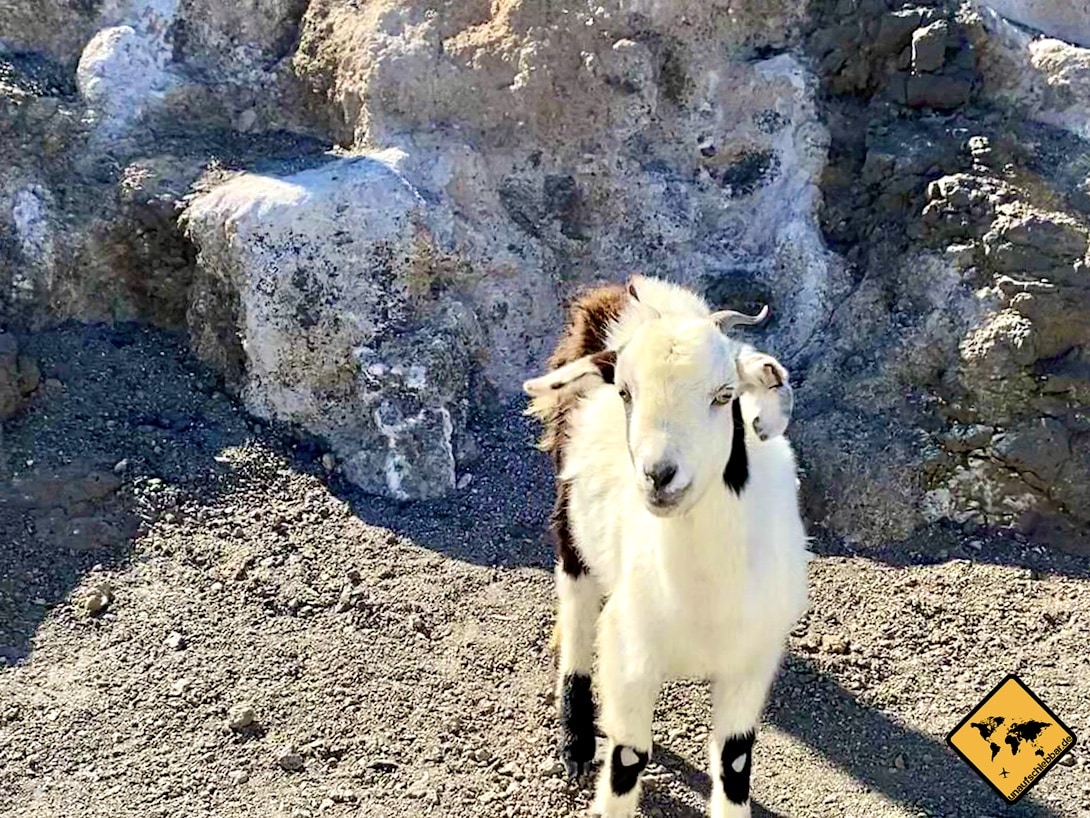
column 723, row 396
column 626, row 396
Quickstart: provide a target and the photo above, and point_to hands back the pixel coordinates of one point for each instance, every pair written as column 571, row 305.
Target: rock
column 895, row 30
column 1044, row 78
column 121, row 466
column 1041, row 449
column 289, row 760
column 835, row 643
column 238, row 777
column 123, row 71
column 175, row 641
column 320, row 339
column 963, row 438
column 1066, row 19
column 98, row 599
column 937, row 91
column 240, row 717
column 929, row 47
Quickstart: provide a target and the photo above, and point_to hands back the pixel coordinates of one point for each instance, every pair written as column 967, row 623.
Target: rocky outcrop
column 904, row 183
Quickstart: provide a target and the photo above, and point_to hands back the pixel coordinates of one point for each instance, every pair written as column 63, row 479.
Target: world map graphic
column 1017, row 735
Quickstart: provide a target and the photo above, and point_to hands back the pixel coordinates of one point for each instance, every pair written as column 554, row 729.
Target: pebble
column 237, row 777
column 99, row 599
column 329, row 462
column 181, row 687
column 899, row 762
column 240, row 717
column 175, row 641
column 121, row 466
column 290, row 761
column 550, row 766
column 482, row 755
column 835, row 644
column 1067, row 761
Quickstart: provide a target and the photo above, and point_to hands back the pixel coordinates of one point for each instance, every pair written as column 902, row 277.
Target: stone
column 1066, row 19
column 895, row 30
column 289, row 760
column 929, row 47
column 98, row 599
column 123, row 71
column 937, row 91
column 335, row 329
column 1044, row 78
column 1041, row 449
column 241, row 716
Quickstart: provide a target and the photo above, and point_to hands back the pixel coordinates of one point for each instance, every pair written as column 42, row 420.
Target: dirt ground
column 378, row 660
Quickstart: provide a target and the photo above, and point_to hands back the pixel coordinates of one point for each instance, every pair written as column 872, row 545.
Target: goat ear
column 645, row 310
column 598, row 368
column 764, row 382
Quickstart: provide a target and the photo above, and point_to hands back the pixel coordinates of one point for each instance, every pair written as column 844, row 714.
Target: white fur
column 708, row 590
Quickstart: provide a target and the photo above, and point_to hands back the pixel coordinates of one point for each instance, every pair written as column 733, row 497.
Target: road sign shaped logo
column 1011, row 739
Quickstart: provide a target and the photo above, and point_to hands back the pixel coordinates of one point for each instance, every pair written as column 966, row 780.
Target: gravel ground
column 198, row 619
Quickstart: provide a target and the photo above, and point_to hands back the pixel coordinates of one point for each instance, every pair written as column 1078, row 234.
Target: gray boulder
column 334, row 322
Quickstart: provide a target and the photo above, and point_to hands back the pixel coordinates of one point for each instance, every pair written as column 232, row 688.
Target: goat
column 676, row 503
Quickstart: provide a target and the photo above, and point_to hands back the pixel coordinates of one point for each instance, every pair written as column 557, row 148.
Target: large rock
column 1045, row 78
column 336, row 318
column 1066, row 19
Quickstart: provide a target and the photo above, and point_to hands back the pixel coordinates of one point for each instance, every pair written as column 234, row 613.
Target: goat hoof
column 576, row 769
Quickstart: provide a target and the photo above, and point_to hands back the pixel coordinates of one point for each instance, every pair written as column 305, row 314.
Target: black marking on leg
column 623, row 777
column 737, row 761
column 736, row 473
column 577, row 715
column 566, row 553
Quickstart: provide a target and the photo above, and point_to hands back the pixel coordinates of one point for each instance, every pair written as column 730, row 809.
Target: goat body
column 706, row 592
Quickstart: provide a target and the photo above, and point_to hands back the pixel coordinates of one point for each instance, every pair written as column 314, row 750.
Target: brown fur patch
column 589, row 319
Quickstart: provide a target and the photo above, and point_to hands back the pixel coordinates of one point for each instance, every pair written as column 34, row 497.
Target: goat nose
column 660, row 474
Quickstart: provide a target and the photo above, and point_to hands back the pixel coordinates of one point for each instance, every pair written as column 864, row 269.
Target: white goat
column 676, row 502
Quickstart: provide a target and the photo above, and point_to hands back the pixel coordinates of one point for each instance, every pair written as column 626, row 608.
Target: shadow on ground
column 837, row 727
column 124, row 428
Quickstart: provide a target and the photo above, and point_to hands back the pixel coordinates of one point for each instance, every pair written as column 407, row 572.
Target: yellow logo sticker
column 1011, row 739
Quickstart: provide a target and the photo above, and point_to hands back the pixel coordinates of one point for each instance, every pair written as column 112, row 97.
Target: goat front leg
column 629, row 685
column 578, row 601
column 737, row 701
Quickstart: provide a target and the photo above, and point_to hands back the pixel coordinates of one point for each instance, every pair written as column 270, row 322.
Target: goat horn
column 731, row 318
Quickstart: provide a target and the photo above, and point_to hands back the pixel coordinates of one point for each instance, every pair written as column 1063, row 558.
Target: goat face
column 677, row 380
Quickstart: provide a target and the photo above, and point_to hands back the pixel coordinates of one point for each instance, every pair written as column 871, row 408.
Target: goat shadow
column 812, row 707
